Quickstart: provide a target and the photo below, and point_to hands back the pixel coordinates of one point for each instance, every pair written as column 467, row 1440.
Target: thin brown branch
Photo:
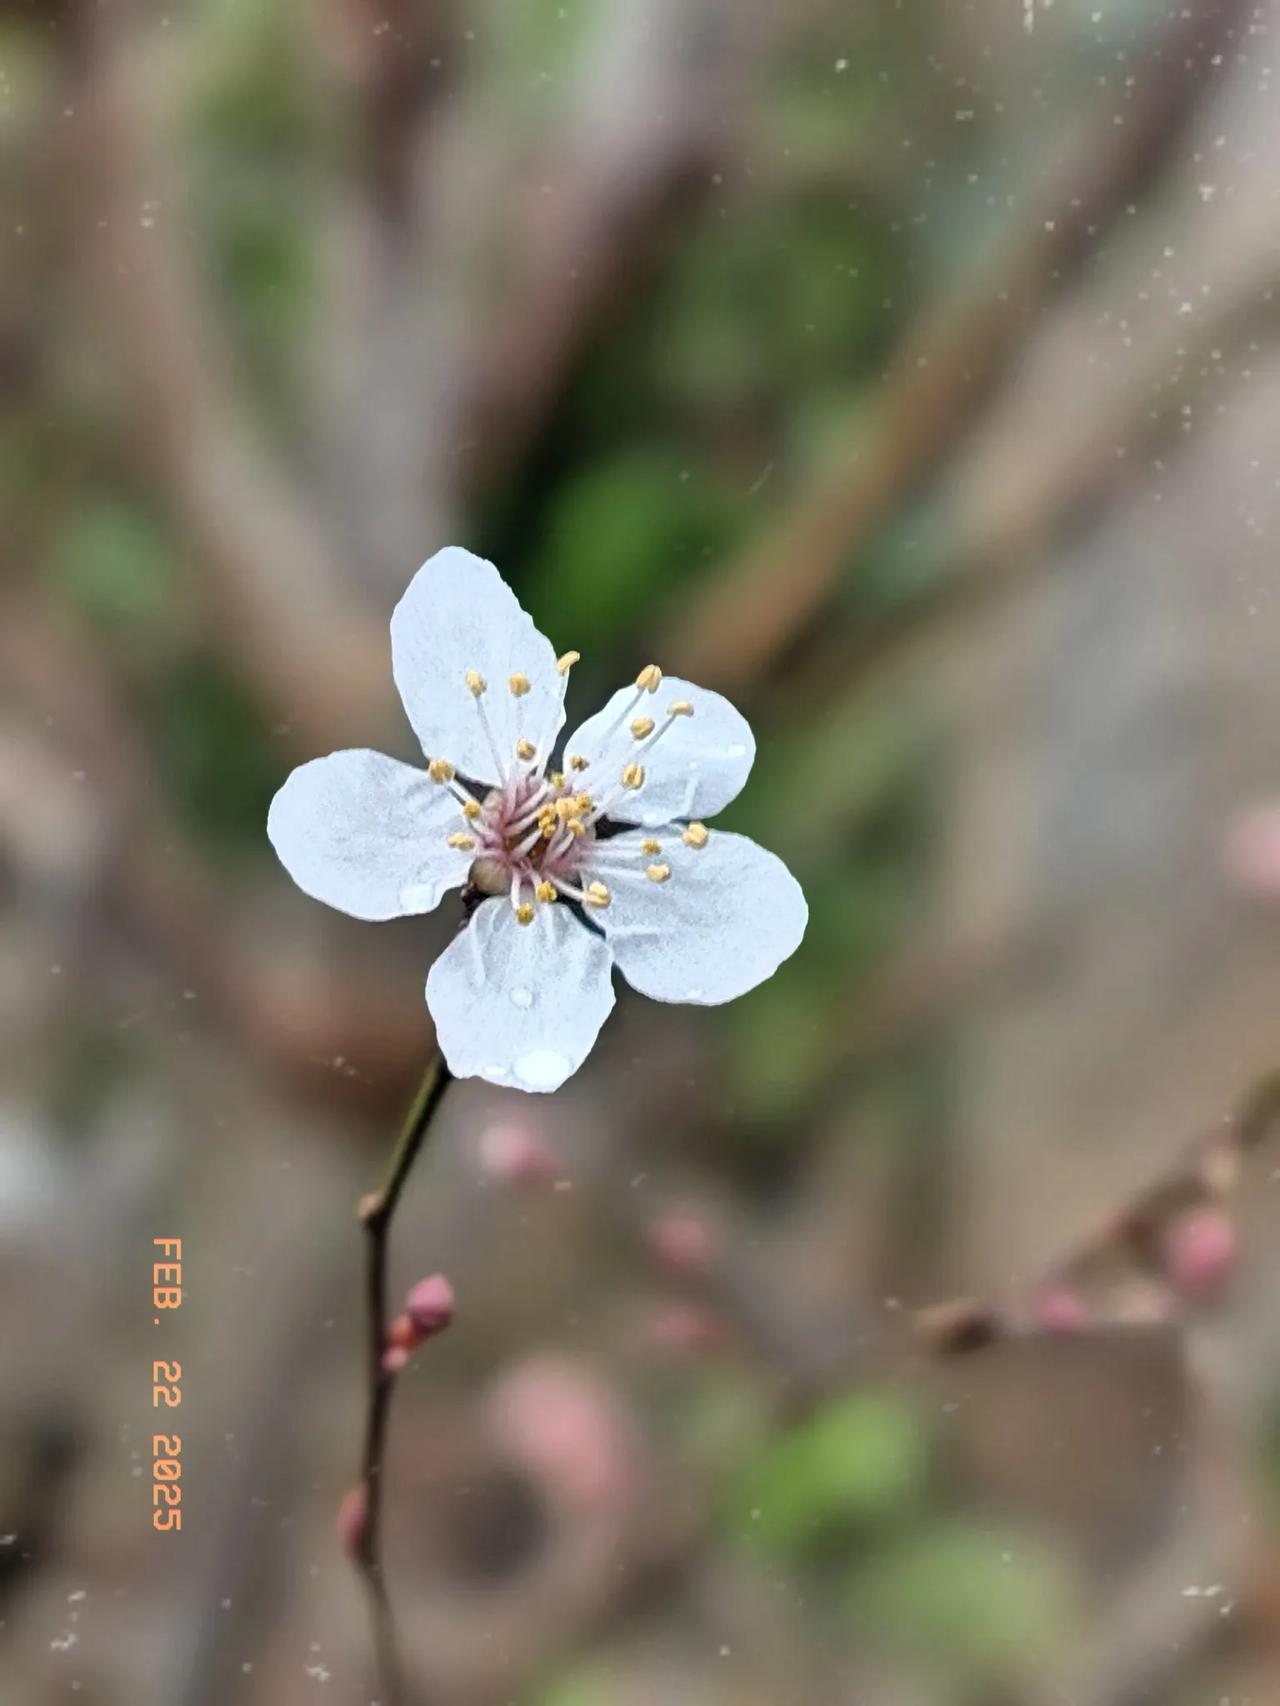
column 376, row 1213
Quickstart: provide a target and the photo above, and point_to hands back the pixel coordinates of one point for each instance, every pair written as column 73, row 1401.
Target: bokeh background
column 906, row 370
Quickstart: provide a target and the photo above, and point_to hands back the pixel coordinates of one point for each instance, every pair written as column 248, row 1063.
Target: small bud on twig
column 1200, row 1252
column 429, row 1305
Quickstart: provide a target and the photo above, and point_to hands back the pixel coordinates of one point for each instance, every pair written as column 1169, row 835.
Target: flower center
column 533, row 835
column 534, row 831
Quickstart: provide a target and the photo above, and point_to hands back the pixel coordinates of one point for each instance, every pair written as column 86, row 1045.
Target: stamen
column 519, row 685
column 597, row 894
column 649, row 679
column 651, row 846
column 526, row 749
column 465, row 842
column 563, row 665
column 528, row 844
column 679, row 708
column 657, row 873
column 641, row 727
column 578, row 762
column 532, row 808
column 633, row 776
column 471, row 809
column 479, row 686
column 524, row 913
column 697, row 835
column 557, row 781
column 440, row 770
column 545, row 891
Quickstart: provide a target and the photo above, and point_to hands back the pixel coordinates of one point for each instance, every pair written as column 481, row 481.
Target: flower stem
column 375, row 1214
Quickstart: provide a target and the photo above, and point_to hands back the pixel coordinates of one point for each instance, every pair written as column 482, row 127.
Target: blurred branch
column 654, row 108
column 286, row 1014
column 1134, row 1234
column 1029, row 496
column 747, row 617
column 274, row 593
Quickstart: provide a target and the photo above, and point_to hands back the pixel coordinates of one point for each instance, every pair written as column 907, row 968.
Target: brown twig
column 376, row 1212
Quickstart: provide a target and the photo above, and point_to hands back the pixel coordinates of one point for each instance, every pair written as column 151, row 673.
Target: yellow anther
column 519, row 685
column 546, row 827
column 679, row 708
column 633, row 776
column 697, row 835
column 649, row 679
column 524, row 913
column 584, row 802
column 565, row 664
column 545, row 891
column 525, row 749
column 471, row 808
column 575, row 826
column 651, row 846
column 465, row 842
column 641, row 726
column 566, row 807
column 577, row 761
column 597, row 894
column 476, row 682
column 657, row 873
column 556, row 780
column 440, row 770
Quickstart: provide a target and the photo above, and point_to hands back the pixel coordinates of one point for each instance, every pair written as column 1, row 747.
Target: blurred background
column 904, row 1334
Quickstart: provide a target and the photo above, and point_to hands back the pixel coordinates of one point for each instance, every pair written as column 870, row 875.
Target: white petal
column 699, row 765
column 521, row 1004
column 363, row 833
column 725, row 919
column 458, row 614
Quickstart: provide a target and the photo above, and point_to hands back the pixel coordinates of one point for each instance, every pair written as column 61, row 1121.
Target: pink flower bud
column 680, row 1243
column 514, row 1153
column 353, row 1511
column 1251, row 852
column 686, row 1330
column 403, row 1333
column 558, row 1421
column 1200, row 1252
column 430, row 1305
column 1058, row 1309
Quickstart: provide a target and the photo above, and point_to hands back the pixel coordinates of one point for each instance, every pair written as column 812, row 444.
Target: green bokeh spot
column 968, row 1600
column 861, row 1461
column 115, row 566
column 214, row 756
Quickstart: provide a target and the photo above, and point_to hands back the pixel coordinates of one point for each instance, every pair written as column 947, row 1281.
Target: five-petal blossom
column 605, row 861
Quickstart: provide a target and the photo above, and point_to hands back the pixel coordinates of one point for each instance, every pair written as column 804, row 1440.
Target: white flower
column 605, row 862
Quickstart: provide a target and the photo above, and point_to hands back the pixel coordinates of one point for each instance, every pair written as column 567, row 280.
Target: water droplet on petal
column 522, row 997
column 543, row 1068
